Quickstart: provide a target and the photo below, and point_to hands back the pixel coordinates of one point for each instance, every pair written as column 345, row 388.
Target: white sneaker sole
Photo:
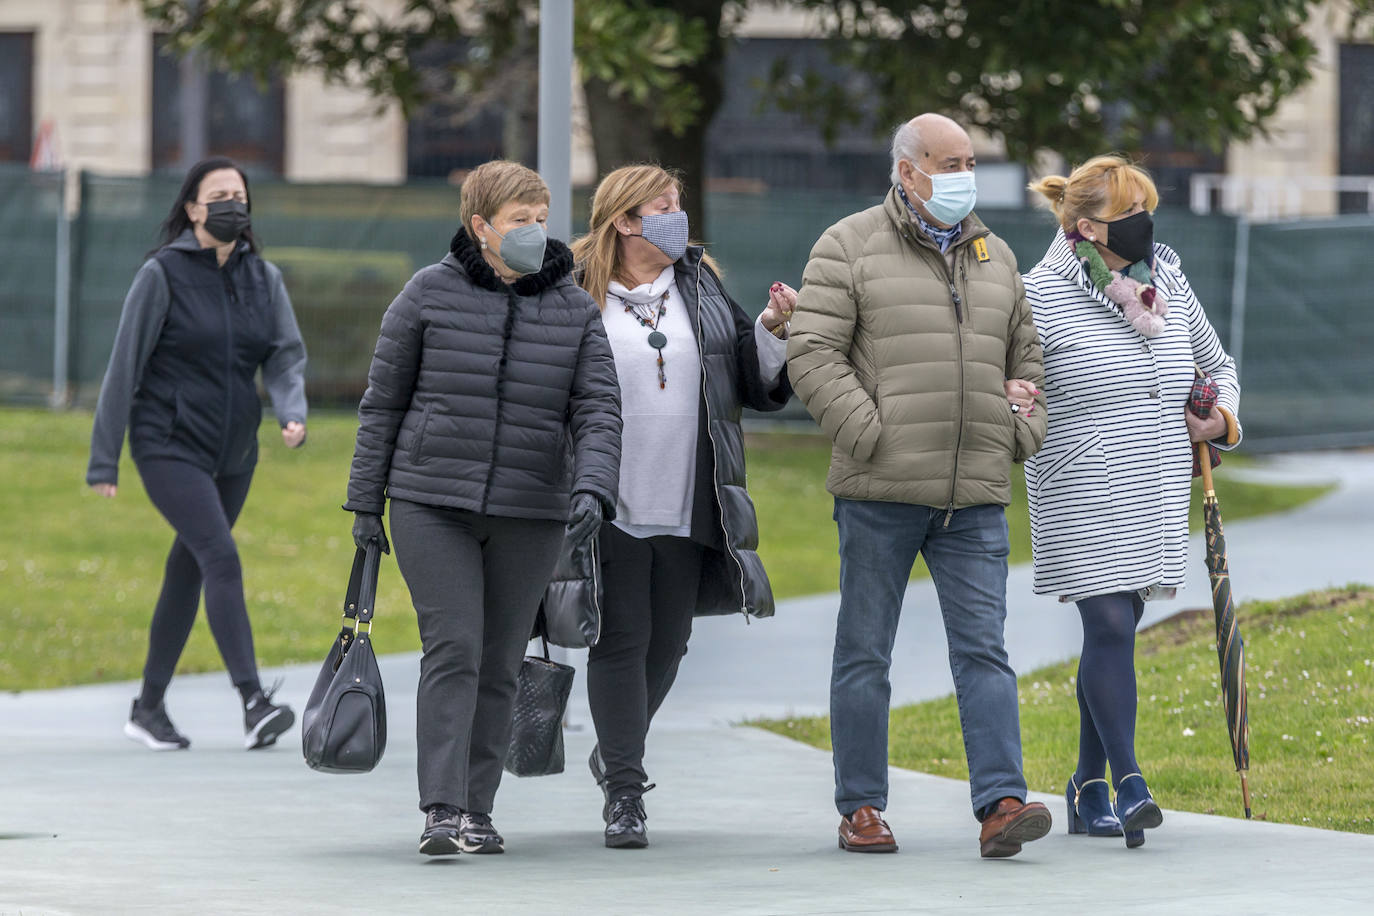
column 145, row 737
column 265, row 733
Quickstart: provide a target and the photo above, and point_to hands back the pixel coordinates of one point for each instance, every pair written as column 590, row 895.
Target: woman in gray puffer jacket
column 491, row 419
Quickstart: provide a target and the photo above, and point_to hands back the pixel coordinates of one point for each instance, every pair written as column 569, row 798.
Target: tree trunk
column 623, row 133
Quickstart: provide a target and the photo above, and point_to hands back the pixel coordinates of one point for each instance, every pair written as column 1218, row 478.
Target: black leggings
column 650, row 587
column 201, row 509
column 1106, row 686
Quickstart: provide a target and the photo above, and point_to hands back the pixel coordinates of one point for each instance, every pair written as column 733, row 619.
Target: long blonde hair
column 622, row 191
column 1102, row 186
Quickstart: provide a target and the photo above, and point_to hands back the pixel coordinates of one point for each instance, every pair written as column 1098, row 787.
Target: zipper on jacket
column 230, row 300
column 511, row 305
column 959, row 337
column 715, row 457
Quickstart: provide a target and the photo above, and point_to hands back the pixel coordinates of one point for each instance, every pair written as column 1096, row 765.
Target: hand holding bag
column 344, row 726
column 541, row 696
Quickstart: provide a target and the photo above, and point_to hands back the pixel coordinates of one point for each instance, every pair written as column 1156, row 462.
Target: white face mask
column 952, row 195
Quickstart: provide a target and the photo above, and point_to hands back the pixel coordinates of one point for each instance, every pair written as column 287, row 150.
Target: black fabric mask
column 226, row 220
column 1132, row 238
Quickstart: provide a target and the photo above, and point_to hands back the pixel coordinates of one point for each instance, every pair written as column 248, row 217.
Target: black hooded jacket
column 192, row 336
column 492, row 398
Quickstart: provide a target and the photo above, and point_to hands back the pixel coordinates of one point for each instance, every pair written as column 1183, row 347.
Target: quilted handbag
column 344, row 726
column 541, row 697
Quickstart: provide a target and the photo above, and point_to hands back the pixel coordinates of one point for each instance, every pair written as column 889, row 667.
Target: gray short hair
column 906, row 144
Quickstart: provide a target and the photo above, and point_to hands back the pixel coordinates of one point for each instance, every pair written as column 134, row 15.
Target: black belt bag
column 344, row 728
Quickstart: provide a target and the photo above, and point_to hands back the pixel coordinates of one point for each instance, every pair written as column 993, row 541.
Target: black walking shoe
column 625, row 827
column 152, row 727
column 598, row 768
column 263, row 721
column 477, row 835
column 441, row 831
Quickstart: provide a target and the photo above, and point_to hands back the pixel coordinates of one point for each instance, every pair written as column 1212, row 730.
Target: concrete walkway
column 741, row 822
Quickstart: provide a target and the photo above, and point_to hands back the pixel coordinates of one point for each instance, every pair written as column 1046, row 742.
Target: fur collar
column 558, row 265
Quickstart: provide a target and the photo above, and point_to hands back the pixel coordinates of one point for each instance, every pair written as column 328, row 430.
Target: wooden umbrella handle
column 1204, row 462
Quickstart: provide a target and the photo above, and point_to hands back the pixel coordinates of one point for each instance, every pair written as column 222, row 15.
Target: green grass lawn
column 82, row 573
column 1311, row 688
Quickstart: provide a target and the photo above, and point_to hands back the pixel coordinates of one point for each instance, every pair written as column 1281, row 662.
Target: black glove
column 584, row 518
column 367, row 527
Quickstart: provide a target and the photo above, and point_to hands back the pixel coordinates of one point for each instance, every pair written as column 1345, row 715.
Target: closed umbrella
column 1230, row 645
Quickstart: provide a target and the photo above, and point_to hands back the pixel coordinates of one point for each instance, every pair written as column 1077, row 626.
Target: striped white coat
column 1109, row 489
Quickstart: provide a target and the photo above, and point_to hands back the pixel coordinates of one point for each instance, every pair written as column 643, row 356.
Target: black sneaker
column 263, row 721
column 625, row 827
column 477, row 835
column 154, row 729
column 598, row 768
column 441, row 831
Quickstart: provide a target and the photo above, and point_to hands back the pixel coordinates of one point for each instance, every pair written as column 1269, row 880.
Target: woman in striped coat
column 1122, row 333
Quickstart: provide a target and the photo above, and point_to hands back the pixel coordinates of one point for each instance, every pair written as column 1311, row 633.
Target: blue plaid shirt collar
column 942, row 237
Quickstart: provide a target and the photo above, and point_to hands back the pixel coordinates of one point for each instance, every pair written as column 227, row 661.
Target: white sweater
column 658, row 440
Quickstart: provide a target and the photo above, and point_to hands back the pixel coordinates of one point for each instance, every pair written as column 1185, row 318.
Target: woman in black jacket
column 685, row 533
column 203, row 314
column 491, row 419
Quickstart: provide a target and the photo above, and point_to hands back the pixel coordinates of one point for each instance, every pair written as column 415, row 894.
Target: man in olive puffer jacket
column 914, row 349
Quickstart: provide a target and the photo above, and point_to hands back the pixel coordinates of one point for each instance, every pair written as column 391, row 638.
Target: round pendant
column 657, row 340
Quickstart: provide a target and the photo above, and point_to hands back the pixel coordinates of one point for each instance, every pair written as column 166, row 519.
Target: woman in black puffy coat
column 492, row 421
column 685, row 534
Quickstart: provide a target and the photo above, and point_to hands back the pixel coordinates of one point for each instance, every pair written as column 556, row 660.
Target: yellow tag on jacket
column 980, row 248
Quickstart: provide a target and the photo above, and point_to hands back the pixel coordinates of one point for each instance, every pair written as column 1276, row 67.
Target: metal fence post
column 1239, row 282
column 62, row 305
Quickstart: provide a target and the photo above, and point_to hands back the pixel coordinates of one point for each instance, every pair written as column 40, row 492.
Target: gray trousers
column 476, row 582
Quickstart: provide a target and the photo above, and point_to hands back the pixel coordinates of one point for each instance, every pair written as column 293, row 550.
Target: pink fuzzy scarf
column 1134, row 293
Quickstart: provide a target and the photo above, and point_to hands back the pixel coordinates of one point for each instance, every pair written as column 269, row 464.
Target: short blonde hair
column 492, row 185
column 622, row 191
column 1102, row 186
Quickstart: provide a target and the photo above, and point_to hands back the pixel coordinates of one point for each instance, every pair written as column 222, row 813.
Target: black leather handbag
column 541, row 697
column 344, row 726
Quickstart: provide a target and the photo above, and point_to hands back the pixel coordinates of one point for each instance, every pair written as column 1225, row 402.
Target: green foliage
column 638, row 50
column 1075, row 76
column 85, row 575
column 1311, row 691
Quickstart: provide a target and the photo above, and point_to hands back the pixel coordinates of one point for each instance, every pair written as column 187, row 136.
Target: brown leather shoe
column 866, row 831
column 1012, row 823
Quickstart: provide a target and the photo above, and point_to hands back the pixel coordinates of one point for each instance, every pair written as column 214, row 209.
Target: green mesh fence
column 346, row 250
column 30, row 203
column 1306, row 369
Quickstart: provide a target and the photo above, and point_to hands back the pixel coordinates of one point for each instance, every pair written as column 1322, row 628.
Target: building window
column 752, row 143
column 16, row 96
column 448, row 135
column 1357, row 122
column 243, row 121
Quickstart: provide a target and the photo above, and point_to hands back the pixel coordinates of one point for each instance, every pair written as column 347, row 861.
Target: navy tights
column 1106, row 686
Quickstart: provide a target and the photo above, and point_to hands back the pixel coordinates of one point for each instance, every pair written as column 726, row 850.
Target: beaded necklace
column 650, row 318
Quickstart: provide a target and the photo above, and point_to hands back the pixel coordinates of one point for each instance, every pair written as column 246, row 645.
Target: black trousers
column 475, row 581
column 201, row 509
column 650, row 594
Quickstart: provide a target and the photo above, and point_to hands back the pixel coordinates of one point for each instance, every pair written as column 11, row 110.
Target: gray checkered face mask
column 666, row 231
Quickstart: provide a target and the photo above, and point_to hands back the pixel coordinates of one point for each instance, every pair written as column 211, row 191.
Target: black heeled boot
column 1090, row 808
column 1136, row 809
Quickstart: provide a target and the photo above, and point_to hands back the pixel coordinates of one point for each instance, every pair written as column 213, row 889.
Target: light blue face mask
column 522, row 248
column 952, row 195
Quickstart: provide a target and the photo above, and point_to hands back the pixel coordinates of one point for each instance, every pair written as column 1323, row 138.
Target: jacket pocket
column 1053, row 463
column 417, row 446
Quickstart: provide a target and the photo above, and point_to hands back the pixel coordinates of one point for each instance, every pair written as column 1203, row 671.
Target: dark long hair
column 178, row 222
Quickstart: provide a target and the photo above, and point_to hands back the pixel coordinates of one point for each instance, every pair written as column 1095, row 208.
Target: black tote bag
column 541, row 697
column 344, row 726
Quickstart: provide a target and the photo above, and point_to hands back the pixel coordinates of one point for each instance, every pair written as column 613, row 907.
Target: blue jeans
column 967, row 559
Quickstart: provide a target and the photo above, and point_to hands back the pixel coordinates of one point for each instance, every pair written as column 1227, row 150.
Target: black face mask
column 1132, row 238
column 226, row 220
